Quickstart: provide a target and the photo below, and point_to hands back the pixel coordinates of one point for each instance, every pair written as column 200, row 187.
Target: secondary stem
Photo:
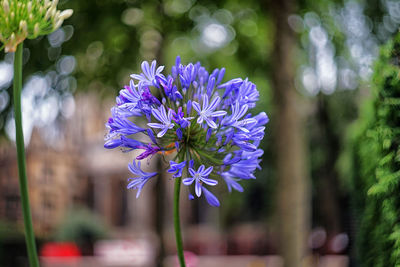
column 23, row 183
column 177, row 226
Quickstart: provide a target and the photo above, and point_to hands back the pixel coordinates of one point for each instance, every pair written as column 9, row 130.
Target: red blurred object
column 60, row 250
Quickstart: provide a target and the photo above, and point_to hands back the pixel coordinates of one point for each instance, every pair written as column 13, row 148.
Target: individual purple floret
column 204, row 125
column 162, row 116
column 141, row 180
column 200, row 176
column 148, row 77
column 176, row 168
column 207, row 112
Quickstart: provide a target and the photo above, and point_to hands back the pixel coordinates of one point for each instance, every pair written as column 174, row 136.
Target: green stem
column 177, row 225
column 23, row 183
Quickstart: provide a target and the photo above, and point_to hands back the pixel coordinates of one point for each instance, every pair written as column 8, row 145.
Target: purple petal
column 201, row 169
column 110, row 144
column 156, row 125
column 214, row 103
column 162, row 132
column 211, row 199
column 187, row 181
column 211, row 123
column 218, row 113
column 196, row 106
column 205, row 101
column 197, row 189
column 207, row 171
column 211, row 182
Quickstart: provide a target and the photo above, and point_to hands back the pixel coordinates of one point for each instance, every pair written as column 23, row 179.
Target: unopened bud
column 48, row 13
column 12, row 38
column 12, row 14
column 58, row 24
column 36, row 29
column 66, row 14
column 6, row 6
column 29, row 7
column 54, row 3
column 23, row 26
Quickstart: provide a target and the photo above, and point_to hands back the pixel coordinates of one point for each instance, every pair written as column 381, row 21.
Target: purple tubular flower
column 148, row 77
column 211, row 199
column 176, row 168
column 121, row 125
column 179, row 133
column 130, row 143
column 141, row 180
column 199, row 176
column 207, row 112
column 231, row 182
column 112, row 143
column 151, row 136
column 203, row 123
column 179, row 118
column 162, row 116
column 149, row 151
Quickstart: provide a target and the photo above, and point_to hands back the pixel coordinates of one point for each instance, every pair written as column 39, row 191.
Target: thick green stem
column 23, row 183
column 177, row 225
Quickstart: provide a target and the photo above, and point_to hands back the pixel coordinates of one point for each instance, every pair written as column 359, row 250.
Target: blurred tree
column 291, row 157
column 376, row 157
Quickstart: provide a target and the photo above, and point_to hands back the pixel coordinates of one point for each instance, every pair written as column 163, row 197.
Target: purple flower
column 176, row 168
column 223, row 141
column 148, row 77
column 211, row 199
column 207, row 112
column 200, row 176
column 149, row 151
column 141, row 180
column 162, row 116
column 179, row 118
column 121, row 125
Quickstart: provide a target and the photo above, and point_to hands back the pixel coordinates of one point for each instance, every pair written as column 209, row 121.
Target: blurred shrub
column 83, row 227
column 376, row 165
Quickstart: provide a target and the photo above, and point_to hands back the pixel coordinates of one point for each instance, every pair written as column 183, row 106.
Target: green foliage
column 376, row 165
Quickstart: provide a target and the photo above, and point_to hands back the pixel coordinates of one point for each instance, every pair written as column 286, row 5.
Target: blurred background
column 312, row 62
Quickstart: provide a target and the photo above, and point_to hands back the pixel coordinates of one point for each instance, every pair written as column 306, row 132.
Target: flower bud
column 6, row 6
column 57, row 24
column 23, row 27
column 29, row 7
column 36, row 29
column 66, row 14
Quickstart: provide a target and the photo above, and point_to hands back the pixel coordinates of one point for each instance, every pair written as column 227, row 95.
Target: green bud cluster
column 28, row 19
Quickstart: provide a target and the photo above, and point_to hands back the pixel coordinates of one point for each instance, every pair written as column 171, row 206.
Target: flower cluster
column 204, row 124
column 21, row 19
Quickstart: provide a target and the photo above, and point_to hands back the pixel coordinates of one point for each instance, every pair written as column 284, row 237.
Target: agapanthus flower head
column 28, row 19
column 205, row 126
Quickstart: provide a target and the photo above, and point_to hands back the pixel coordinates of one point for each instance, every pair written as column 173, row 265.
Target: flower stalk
column 23, row 182
column 177, row 224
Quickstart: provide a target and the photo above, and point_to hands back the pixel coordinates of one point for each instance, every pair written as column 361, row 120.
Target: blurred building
column 74, row 169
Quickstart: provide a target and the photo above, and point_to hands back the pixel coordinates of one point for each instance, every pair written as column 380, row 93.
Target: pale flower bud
column 58, row 24
column 48, row 13
column 36, row 29
column 6, row 6
column 66, row 14
column 23, row 26
column 29, row 7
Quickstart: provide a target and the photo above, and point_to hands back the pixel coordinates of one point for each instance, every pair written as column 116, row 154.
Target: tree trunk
column 291, row 158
